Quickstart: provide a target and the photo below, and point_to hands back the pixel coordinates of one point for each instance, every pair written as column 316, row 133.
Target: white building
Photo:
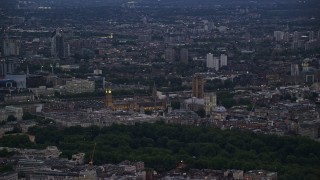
column 210, row 60
column 223, row 60
column 216, row 63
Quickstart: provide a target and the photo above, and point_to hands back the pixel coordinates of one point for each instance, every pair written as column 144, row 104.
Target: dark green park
column 161, row 146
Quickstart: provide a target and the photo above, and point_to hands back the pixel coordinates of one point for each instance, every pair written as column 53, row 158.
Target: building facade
column 109, row 100
column 170, row 55
column 20, row 79
column 11, row 47
column 210, row 102
column 57, row 44
column 76, row 86
column 223, row 60
column 216, row 63
column 17, row 112
column 197, row 86
column 184, row 56
column 210, row 60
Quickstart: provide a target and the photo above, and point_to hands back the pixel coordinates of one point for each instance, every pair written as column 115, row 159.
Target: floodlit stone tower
column 109, row 101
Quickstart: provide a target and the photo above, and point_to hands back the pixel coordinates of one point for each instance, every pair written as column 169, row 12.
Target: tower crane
column 253, row 106
column 92, row 155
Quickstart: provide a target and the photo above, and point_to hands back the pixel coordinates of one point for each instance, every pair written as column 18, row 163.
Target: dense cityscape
column 166, row 89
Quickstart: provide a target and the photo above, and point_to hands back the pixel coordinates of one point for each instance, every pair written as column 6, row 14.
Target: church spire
column 28, row 72
column 154, row 90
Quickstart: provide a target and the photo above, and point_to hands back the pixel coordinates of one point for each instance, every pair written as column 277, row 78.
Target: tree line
column 161, row 146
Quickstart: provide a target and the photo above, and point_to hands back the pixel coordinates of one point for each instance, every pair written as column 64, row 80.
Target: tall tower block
column 57, row 43
column 197, row 86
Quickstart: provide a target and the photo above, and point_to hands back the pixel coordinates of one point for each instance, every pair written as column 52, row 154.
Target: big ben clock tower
column 108, row 98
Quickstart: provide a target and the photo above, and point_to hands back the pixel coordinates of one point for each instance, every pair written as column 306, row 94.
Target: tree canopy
column 161, row 146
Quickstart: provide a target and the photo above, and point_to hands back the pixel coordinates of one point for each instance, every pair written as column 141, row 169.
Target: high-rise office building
column 197, row 86
column 11, row 47
column 57, row 44
column 209, row 60
column 223, row 60
column 296, row 43
column 184, row 56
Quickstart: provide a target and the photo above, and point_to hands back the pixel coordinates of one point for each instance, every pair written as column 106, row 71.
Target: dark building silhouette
column 197, row 86
column 58, row 44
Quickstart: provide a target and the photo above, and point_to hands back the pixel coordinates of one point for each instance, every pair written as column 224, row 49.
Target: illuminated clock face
column 109, row 91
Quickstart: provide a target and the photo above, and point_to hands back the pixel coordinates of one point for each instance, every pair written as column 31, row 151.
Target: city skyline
column 164, row 89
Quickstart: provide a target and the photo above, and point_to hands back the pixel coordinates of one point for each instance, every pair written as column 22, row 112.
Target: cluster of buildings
column 99, row 118
column 33, row 164
column 306, row 40
column 219, row 174
column 285, row 110
column 215, row 62
column 265, row 110
column 12, row 120
column 269, row 66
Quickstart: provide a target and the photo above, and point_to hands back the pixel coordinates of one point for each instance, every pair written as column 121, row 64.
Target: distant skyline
column 4, row 3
